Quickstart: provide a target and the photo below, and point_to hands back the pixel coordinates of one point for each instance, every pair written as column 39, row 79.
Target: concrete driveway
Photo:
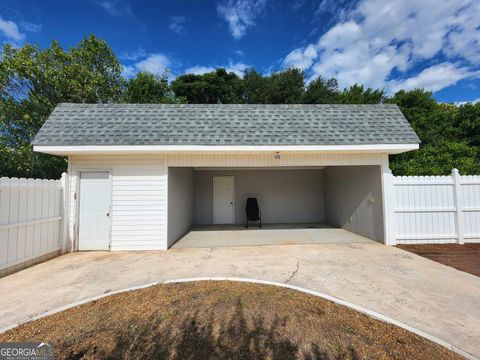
column 270, row 234
column 434, row 298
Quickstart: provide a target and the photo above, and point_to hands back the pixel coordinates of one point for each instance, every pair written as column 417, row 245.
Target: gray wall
column 353, row 199
column 180, row 203
column 284, row 196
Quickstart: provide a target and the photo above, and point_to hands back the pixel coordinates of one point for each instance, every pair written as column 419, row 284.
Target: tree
column 148, row 88
column 467, row 123
column 438, row 159
column 447, row 133
column 216, row 87
column 322, row 91
column 428, row 119
column 33, row 81
column 285, row 87
column 357, row 94
column 254, row 87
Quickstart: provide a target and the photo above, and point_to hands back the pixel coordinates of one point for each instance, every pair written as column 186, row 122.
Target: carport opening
column 206, row 201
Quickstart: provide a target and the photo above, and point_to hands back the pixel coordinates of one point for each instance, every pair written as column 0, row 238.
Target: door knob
column 108, row 214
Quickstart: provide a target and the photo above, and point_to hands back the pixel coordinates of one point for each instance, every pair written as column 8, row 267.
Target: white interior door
column 94, row 214
column 223, row 200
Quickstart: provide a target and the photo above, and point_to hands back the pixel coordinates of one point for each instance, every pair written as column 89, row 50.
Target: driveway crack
column 293, row 273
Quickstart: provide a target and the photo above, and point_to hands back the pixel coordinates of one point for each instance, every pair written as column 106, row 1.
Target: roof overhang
column 65, row 150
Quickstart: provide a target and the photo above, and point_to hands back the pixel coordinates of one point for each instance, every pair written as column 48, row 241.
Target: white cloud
column 474, row 101
column 199, row 70
column 135, row 55
column 237, row 68
column 378, row 39
column 116, row 8
column 333, row 9
column 434, row 78
column 177, row 25
column 240, row 14
column 35, row 28
column 154, row 63
column 128, row 71
column 297, row 4
column 301, row 58
column 10, row 30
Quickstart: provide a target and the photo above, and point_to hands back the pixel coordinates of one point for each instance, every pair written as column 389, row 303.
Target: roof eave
column 65, row 150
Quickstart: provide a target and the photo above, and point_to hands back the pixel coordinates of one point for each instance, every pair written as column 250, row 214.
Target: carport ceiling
column 260, row 168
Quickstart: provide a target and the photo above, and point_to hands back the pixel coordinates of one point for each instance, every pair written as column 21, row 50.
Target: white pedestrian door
column 223, row 196
column 94, row 215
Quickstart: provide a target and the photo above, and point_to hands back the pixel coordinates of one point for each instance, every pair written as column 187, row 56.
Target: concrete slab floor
column 429, row 296
column 269, row 234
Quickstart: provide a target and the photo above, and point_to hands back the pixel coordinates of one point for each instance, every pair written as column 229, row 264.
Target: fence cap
column 454, row 171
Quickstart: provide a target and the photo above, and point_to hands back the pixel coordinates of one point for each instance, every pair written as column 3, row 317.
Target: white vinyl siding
column 139, row 200
column 269, row 160
column 139, row 207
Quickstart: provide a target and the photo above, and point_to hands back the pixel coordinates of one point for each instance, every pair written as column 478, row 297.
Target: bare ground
column 464, row 257
column 222, row 320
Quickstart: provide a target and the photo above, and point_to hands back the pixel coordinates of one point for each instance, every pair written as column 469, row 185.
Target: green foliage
column 438, row 159
column 450, row 136
column 217, row 87
column 322, row 91
column 33, row 81
column 147, row 88
column 467, row 123
column 254, row 88
column 221, row 87
column 356, row 94
column 286, row 87
column 423, row 113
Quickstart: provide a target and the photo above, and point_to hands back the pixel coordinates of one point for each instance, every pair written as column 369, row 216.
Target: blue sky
column 391, row 44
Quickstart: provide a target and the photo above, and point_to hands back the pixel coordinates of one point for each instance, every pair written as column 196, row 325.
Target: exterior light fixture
column 277, row 155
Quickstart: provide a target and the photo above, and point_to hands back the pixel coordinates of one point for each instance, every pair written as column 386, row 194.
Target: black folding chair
column 253, row 211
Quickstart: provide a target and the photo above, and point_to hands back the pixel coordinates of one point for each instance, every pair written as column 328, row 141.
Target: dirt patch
column 222, row 320
column 464, row 257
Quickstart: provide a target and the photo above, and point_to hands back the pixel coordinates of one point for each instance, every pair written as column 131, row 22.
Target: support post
column 459, row 224
column 65, row 211
column 389, row 228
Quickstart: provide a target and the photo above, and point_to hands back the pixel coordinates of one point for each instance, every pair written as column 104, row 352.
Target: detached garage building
column 141, row 176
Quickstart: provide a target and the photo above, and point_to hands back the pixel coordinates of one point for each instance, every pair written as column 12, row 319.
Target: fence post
column 458, row 206
column 65, row 193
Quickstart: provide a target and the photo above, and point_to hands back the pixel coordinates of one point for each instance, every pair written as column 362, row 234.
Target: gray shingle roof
column 192, row 124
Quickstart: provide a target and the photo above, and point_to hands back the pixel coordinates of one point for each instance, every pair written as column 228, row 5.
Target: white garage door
column 94, row 214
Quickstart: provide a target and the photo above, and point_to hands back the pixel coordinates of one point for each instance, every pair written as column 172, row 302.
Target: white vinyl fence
column 31, row 220
column 437, row 209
